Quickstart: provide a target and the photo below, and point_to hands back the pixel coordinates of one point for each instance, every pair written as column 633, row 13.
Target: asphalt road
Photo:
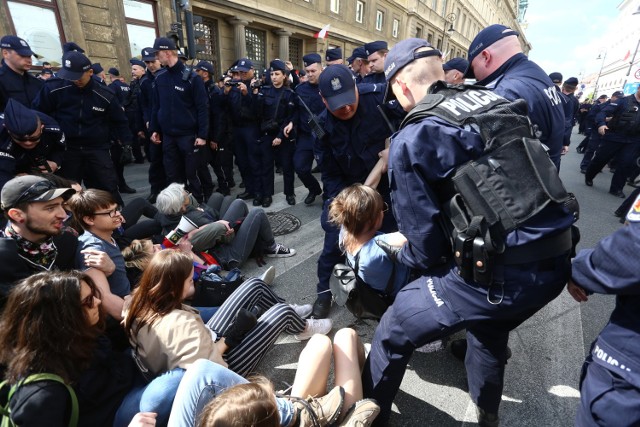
column 541, row 381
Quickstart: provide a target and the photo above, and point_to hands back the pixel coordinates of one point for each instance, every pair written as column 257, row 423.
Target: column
column 283, row 43
column 239, row 37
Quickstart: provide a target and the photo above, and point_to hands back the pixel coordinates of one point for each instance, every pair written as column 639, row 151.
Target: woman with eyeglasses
column 53, row 324
column 359, row 211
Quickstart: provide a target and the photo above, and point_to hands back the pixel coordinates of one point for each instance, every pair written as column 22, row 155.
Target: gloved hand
column 391, row 251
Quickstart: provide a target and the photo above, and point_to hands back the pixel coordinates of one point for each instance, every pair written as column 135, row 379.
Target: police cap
column 74, row 65
column 459, row 64
column 556, row 77
column 16, row 43
column 134, row 61
column 114, row 71
column 486, row 38
column 358, row 53
column 19, row 120
column 243, row 64
column 337, row 86
column 148, row 54
column 373, row 47
column 278, row 65
column 205, row 66
column 311, row 58
column 333, row 54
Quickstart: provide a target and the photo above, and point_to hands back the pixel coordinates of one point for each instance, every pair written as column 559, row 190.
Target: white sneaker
column 280, row 251
column 431, row 347
column 303, row 311
column 268, row 276
column 315, row 326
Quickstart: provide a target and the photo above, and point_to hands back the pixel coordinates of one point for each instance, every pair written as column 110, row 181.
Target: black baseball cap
column 163, row 43
column 19, row 120
column 486, row 38
column 337, row 86
column 16, row 43
column 74, row 65
column 31, row 188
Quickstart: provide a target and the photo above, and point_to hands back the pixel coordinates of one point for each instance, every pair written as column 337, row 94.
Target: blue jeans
column 202, row 382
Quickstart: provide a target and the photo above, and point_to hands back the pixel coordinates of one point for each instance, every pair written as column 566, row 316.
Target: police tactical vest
column 627, row 121
column 513, row 180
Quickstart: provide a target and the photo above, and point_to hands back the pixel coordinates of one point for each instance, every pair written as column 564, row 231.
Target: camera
column 232, row 83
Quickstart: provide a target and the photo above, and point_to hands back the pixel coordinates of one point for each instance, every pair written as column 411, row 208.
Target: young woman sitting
column 167, row 334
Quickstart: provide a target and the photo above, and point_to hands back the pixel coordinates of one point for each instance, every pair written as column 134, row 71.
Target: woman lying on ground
column 230, row 239
column 216, row 396
column 53, row 324
column 167, row 334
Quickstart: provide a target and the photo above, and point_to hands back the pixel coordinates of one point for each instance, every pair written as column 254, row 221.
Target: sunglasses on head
column 35, row 191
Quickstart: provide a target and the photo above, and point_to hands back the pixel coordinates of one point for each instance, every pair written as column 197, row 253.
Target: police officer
column 238, row 94
column 497, row 62
column 179, row 117
column 610, row 379
column 454, row 70
column 99, row 75
column 118, row 85
column 88, row 113
column 15, row 80
column 423, row 153
column 376, row 52
column 556, row 78
column 359, row 63
column 355, row 136
column 30, row 142
column 620, row 139
column 157, row 176
column 592, row 138
column 308, row 93
column 132, row 109
column 334, row 56
column 277, row 110
column 571, row 105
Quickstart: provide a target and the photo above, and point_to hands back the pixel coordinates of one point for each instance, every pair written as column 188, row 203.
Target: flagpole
column 631, row 65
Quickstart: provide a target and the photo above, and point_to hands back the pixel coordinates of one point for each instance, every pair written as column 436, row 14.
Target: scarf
column 42, row 255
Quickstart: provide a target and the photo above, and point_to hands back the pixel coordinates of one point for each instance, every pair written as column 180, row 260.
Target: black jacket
column 23, row 88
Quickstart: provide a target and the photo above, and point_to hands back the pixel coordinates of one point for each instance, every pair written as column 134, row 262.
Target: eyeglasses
column 112, row 213
column 386, row 207
column 35, row 191
column 30, row 138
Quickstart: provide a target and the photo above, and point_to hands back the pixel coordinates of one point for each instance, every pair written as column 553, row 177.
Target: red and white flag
column 627, row 55
column 323, row 33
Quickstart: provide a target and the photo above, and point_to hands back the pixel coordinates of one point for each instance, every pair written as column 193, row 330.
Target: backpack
column 627, row 121
column 361, row 300
column 512, row 181
column 5, row 411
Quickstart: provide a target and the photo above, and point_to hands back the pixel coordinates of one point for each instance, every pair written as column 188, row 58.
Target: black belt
column 538, row 250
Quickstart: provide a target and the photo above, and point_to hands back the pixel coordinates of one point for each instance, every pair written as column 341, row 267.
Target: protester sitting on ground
column 253, row 403
column 53, row 324
column 232, row 239
column 167, row 334
column 35, row 238
column 359, row 210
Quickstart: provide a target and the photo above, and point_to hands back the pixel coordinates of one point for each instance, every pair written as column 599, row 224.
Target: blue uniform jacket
column 23, row 88
column 421, row 156
column 521, row 78
column 15, row 159
column 121, row 89
column 241, row 108
column 216, row 113
column 88, row 116
column 610, row 109
column 612, row 268
column 180, row 106
column 145, row 97
column 271, row 99
column 310, row 94
column 377, row 78
column 571, row 105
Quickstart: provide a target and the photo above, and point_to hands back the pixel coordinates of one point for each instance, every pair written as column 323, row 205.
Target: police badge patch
column 634, row 212
column 336, row 84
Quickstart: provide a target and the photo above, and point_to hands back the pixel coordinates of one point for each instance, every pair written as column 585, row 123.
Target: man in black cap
column 556, row 78
column 359, row 63
column 179, row 118
column 133, row 110
column 334, row 56
column 157, row 176
column 15, row 80
column 35, row 238
column 308, row 94
column 593, row 138
column 118, row 85
column 98, row 73
column 433, row 142
column 571, row 105
column 30, row 142
column 355, row 136
column 454, row 70
column 90, row 117
column 45, row 74
column 376, row 53
column 497, row 62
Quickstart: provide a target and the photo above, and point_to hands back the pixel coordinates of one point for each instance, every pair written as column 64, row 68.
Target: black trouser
column 94, row 167
column 116, row 154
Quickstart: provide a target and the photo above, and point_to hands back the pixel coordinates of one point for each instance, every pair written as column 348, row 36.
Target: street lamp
column 595, row 91
column 637, row 12
column 450, row 18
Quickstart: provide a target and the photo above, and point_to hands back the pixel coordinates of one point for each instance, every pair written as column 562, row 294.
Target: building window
column 140, row 16
column 38, row 22
column 396, row 26
column 295, row 52
column 430, row 38
column 359, row 11
column 379, row 20
column 209, row 40
column 418, row 32
column 256, row 47
column 444, row 7
column 335, row 6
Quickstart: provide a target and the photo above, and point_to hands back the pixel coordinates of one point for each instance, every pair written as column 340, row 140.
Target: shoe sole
column 269, row 275
column 292, row 253
column 352, row 412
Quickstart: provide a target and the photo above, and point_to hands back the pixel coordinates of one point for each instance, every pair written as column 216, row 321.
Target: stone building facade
column 112, row 31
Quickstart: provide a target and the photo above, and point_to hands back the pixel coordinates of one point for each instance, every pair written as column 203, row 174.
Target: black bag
column 361, row 300
column 126, row 157
column 212, row 290
column 269, row 126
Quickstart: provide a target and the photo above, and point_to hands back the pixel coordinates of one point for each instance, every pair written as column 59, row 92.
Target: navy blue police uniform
column 593, row 137
column 134, row 118
column 621, row 140
column 221, row 132
column 22, row 87
column 180, row 113
column 346, row 155
column 423, row 154
column 303, row 156
column 88, row 116
column 571, row 105
column 121, row 89
column 15, row 159
column 276, row 109
column 246, row 130
column 610, row 379
column 157, row 176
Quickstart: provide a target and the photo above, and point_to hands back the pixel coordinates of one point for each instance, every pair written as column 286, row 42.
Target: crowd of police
column 186, row 119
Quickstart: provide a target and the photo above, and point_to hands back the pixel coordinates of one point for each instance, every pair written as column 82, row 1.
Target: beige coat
column 176, row 341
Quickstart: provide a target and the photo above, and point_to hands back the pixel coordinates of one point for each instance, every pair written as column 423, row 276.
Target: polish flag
column 323, row 33
column 627, row 55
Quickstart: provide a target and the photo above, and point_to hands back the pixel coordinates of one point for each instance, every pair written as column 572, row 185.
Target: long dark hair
column 44, row 328
column 160, row 289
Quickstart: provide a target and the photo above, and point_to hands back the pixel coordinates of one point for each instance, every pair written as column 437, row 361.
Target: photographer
column 276, row 109
column 30, row 142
